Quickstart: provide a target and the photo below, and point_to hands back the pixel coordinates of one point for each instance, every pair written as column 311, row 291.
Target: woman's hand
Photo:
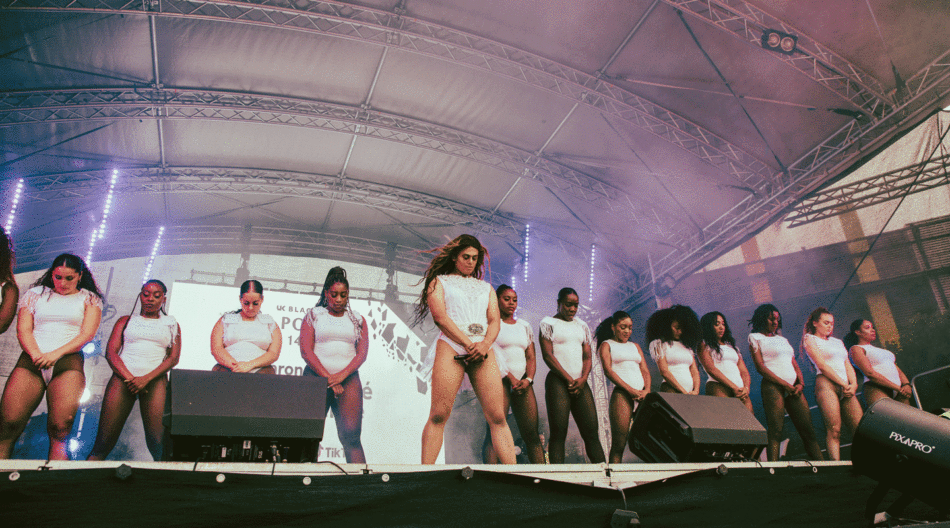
column 334, row 380
column 742, row 392
column 242, row 366
column 477, row 352
column 137, row 384
column 337, row 389
column 849, row 390
column 639, row 395
column 906, row 391
column 575, row 386
column 797, row 388
column 46, row 360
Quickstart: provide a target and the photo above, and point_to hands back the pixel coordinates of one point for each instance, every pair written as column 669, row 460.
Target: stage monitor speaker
column 686, row 428
column 208, row 412
column 906, row 449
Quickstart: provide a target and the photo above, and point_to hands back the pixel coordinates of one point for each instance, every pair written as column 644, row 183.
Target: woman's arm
column 116, row 340
column 860, row 358
column 172, row 355
column 905, row 389
column 218, row 350
column 706, row 358
column 852, row 388
column 87, row 331
column 811, row 348
column 645, row 372
column 531, row 366
column 11, row 294
column 743, row 392
column 755, row 350
column 362, row 350
column 668, row 376
column 267, row 358
column 24, row 334
column 306, row 349
column 694, row 372
column 547, row 354
column 607, row 362
column 479, row 350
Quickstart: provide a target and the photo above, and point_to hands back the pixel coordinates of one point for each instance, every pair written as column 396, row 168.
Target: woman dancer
column 566, row 349
column 515, row 348
column 674, row 335
column 782, row 383
column 334, row 341
column 150, row 345
column 728, row 375
column 465, row 309
column 57, row 317
column 246, row 340
column 9, row 291
column 883, row 378
column 835, row 383
column 625, row 366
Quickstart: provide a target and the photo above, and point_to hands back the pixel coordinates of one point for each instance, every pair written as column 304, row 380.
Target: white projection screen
column 395, row 392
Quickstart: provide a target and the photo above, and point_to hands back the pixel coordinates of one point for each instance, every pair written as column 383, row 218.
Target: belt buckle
column 476, row 329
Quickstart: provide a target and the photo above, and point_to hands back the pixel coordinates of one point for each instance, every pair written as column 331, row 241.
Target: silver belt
column 475, row 329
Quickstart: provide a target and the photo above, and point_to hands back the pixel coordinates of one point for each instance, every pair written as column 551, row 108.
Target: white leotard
column 466, row 303
column 334, row 338
column 510, row 345
column 567, row 340
column 884, row 363
column 247, row 340
column 678, row 360
column 777, row 354
column 145, row 342
column 57, row 319
column 833, row 352
column 728, row 364
column 625, row 359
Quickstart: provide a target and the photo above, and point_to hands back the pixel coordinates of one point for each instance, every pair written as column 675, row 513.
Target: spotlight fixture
column 779, row 41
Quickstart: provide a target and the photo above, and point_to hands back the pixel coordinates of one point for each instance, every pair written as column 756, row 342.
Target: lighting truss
column 151, row 259
column 870, row 191
column 100, row 230
column 817, row 61
column 393, row 30
column 178, row 103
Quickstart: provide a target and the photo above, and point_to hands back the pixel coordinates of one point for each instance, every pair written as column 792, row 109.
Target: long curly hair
column 659, row 326
column 761, row 316
column 73, row 262
column 444, row 263
column 605, row 330
column 708, row 325
column 7, row 258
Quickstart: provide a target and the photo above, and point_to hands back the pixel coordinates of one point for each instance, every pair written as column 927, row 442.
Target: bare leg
column 152, row 407
column 774, row 405
column 21, row 396
column 621, row 411
column 486, row 380
column 62, row 399
column 525, row 408
column 800, row 414
column 447, row 376
column 559, row 408
column 116, row 406
column 714, row 388
column 348, row 410
column 826, row 394
column 585, row 416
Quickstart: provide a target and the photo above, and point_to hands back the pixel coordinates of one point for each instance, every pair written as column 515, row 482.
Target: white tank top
column 777, row 354
column 625, row 359
column 145, row 342
column 833, row 352
column 728, row 364
column 334, row 338
column 678, row 360
column 510, row 346
column 567, row 340
column 883, row 362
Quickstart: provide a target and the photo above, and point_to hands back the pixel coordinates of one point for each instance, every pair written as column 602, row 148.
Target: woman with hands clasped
column 836, row 385
column 728, row 375
column 334, row 342
column 884, row 379
column 674, row 335
column 782, row 382
column 246, row 340
column 465, row 309
column 566, row 348
column 625, row 366
column 150, row 345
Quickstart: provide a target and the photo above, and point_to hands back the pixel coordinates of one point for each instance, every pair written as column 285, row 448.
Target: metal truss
column 927, row 90
column 877, row 189
column 813, row 59
column 126, row 242
column 157, row 180
column 25, row 107
column 394, row 30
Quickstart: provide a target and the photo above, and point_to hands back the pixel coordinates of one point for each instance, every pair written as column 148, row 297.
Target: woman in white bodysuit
column 246, row 340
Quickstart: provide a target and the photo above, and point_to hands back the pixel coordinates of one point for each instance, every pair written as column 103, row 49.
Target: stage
column 40, row 493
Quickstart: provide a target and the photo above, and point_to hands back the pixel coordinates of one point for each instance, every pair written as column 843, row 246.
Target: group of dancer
column 480, row 337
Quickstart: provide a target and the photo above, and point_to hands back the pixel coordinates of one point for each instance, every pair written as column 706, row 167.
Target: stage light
column 86, row 394
column 18, row 191
column 779, row 41
column 590, row 285
column 527, row 249
column 906, row 449
column 100, row 230
column 148, row 266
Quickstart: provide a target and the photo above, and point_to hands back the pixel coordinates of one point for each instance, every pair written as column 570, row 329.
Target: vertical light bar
column 100, row 231
column 590, row 288
column 17, row 193
column 527, row 249
column 148, row 267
